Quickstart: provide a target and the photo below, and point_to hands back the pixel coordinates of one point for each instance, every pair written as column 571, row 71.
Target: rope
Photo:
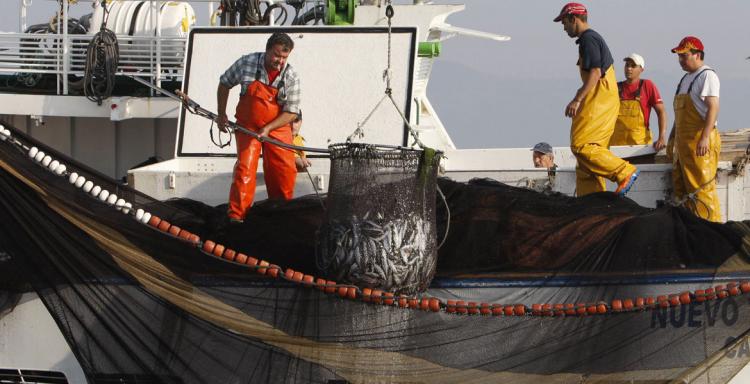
column 691, row 197
column 387, row 73
column 102, row 58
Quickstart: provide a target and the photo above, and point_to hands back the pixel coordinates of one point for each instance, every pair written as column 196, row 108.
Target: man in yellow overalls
column 594, row 109
column 697, row 143
column 637, row 97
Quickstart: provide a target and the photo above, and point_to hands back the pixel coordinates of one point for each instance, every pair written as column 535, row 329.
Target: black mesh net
column 531, row 288
column 379, row 230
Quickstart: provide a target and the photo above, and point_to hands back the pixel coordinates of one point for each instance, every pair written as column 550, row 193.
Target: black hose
column 314, row 14
column 102, row 59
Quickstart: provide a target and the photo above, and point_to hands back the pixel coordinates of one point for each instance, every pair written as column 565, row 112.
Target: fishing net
column 137, row 304
column 379, row 230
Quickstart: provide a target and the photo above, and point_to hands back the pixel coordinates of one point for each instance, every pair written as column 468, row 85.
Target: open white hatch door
column 341, row 71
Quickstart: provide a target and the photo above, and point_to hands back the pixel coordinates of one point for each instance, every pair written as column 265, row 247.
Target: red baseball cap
column 571, row 9
column 688, row 43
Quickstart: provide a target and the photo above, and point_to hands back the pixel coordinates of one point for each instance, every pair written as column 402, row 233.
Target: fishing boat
column 111, row 281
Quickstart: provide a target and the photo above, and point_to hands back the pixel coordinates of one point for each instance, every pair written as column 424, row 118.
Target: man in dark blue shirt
column 594, row 109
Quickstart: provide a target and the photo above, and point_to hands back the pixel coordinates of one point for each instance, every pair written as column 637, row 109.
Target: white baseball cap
column 637, row 59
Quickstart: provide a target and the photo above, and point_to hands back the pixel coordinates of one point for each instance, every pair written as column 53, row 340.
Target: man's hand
column 302, row 163
column 659, row 144
column 702, row 148
column 264, row 132
column 572, row 109
column 222, row 120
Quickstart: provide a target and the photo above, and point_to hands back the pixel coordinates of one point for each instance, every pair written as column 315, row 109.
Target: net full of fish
column 392, row 254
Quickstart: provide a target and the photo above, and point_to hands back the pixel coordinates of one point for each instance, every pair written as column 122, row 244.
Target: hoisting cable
column 102, row 59
column 388, row 90
column 195, row 108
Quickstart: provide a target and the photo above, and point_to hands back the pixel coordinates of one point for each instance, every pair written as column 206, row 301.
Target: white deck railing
column 157, row 58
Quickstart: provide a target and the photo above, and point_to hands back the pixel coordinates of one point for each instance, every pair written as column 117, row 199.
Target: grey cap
column 543, row 148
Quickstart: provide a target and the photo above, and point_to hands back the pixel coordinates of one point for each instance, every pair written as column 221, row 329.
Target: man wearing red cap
column 594, row 109
column 697, row 143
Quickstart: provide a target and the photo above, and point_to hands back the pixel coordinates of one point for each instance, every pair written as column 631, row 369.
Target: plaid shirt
column 243, row 72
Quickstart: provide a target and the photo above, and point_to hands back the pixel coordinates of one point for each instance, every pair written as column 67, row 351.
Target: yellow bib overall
column 590, row 133
column 690, row 172
column 631, row 128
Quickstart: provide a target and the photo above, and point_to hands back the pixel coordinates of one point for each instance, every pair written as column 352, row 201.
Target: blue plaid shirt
column 243, row 72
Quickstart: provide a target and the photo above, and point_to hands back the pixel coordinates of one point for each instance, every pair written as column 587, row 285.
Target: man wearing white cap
column 637, row 97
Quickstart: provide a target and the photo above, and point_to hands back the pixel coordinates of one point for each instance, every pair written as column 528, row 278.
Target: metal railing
column 158, row 58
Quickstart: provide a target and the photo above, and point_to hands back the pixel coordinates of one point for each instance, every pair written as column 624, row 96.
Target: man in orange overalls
column 269, row 103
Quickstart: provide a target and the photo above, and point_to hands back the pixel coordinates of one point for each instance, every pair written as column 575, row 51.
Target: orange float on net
column 640, row 302
column 424, row 304
column 330, row 287
column 674, row 300
column 450, row 306
column 601, row 308
column 497, row 310
column 685, row 298
column 377, row 296
column 274, row 270
column 174, row 230
column 627, row 304
column 617, row 305
column 183, row 234
column 536, row 309
column 721, row 292
column 308, row 280
column 403, row 302
column 263, row 263
column 241, row 258
column 581, row 309
column 650, row 302
column 591, row 309
column 745, row 286
column 320, row 284
column 251, row 261
column 710, row 294
column 484, row 308
column 700, row 295
column 230, row 254
column 733, row 289
column 388, row 298
column 208, row 246
column 519, row 310
column 461, row 307
column 351, row 293
column 218, row 250
column 413, row 303
column 193, row 238
column 508, row 310
column 546, row 309
column 297, row 276
column 154, row 221
column 434, row 305
column 473, row 309
column 164, row 226
column 558, row 310
column 570, row 309
column 366, row 294
column 341, row 291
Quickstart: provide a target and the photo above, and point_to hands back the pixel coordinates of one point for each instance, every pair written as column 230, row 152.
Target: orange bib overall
column 631, row 128
column 257, row 107
column 692, row 173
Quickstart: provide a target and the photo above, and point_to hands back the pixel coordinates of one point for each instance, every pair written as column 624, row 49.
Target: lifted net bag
column 379, row 231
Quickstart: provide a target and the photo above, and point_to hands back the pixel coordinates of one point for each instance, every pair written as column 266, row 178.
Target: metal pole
column 66, row 48
column 158, row 47
column 22, row 21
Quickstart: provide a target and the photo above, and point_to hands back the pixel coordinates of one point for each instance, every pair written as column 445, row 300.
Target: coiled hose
column 102, row 58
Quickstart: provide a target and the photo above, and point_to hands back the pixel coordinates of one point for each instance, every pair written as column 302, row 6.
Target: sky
column 512, row 94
